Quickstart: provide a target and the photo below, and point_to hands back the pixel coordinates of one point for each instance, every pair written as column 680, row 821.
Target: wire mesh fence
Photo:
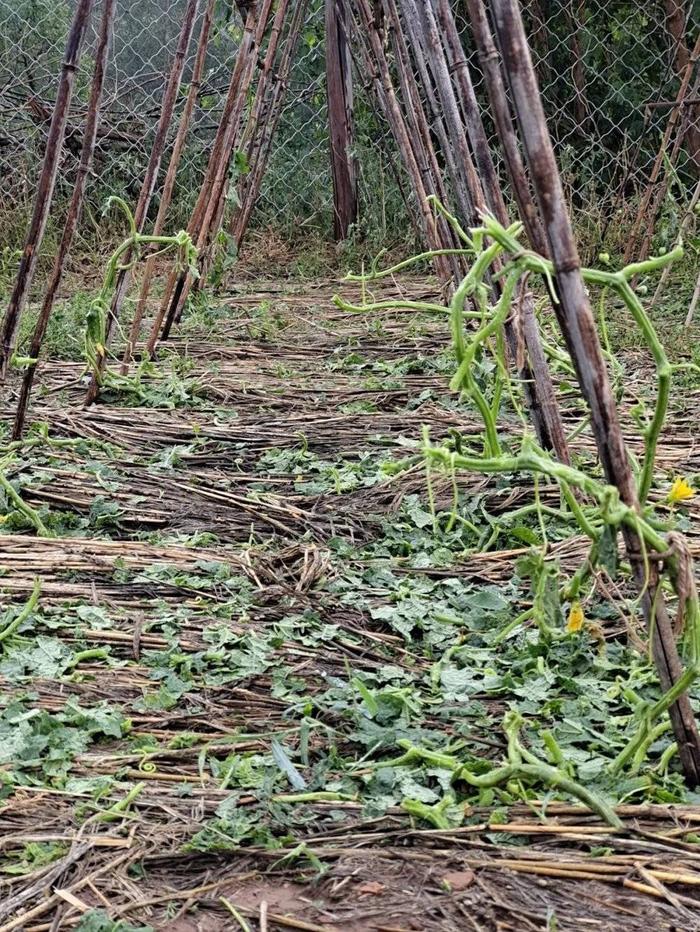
column 610, row 74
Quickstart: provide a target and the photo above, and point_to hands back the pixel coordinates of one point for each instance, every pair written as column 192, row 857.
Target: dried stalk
column 45, row 186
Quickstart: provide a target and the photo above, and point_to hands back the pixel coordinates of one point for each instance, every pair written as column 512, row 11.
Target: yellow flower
column 681, row 490
column 576, row 618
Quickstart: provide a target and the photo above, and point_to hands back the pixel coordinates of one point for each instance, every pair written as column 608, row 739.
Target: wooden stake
column 265, row 119
column 149, row 182
column 392, row 111
column 579, row 330
column 74, row 214
column 46, row 185
column 211, row 190
column 169, row 183
column 340, row 119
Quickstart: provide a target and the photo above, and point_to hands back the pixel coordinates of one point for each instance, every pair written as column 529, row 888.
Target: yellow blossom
column 576, row 618
column 681, row 490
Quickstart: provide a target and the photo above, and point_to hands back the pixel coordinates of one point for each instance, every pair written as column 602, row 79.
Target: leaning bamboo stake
column 397, row 122
column 373, row 86
column 464, row 125
column 169, row 183
column 489, row 59
column 260, row 113
column 214, row 220
column 425, row 31
column 179, row 283
column 175, row 280
column 534, row 372
column 458, row 66
column 46, row 185
column 364, row 73
column 74, row 214
column 579, row 330
column 420, row 125
column 264, row 127
column 643, row 214
column 148, row 185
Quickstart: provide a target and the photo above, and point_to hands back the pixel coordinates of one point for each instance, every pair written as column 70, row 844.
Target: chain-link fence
column 610, row 73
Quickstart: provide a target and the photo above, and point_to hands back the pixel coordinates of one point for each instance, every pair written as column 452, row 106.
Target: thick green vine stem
column 96, row 321
column 618, row 282
column 521, row 765
column 29, row 513
column 16, row 623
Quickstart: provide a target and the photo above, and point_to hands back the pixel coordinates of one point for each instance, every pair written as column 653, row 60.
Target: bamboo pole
column 149, row 181
column 420, row 127
column 533, row 371
column 365, row 65
column 45, row 186
column 442, row 54
column 340, row 119
column 265, row 127
column 74, row 214
column 169, row 183
column 421, row 15
column 579, row 330
column 408, row 47
column 214, row 220
column 211, row 191
column 261, row 115
column 643, row 212
column 395, row 118
column 365, row 72
column 489, row 59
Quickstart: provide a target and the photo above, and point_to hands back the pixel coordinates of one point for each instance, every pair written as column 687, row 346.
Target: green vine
column 98, row 312
column 595, row 506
